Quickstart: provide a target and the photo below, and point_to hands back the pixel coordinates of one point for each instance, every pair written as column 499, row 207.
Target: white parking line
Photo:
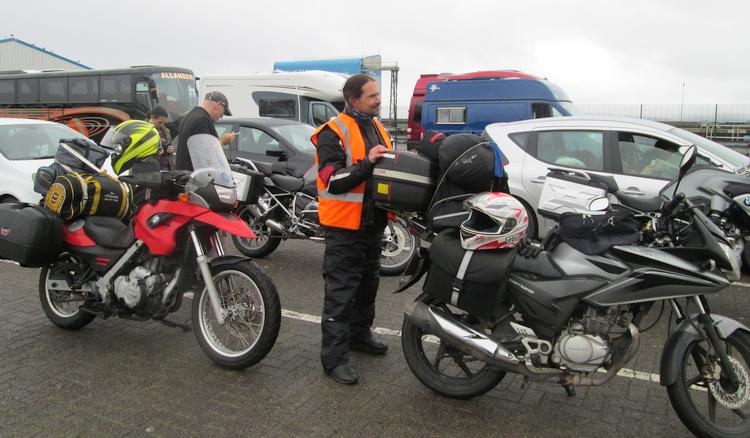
column 625, row 372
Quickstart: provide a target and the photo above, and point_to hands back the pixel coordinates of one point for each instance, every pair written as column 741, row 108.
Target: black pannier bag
column 594, row 234
column 474, row 281
column 29, row 234
column 78, row 194
column 403, row 181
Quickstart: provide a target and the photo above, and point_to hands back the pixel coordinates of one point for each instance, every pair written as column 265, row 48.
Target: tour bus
column 311, row 97
column 469, row 106
column 414, row 129
column 91, row 101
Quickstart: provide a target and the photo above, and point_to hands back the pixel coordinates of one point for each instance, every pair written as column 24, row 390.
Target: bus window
column 7, row 91
column 115, row 88
column 53, row 90
column 28, row 90
column 175, row 92
column 83, row 89
column 142, row 95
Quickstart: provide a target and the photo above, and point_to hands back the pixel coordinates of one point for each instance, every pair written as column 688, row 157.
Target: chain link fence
column 703, row 114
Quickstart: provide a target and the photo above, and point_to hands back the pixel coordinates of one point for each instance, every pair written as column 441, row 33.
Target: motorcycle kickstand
column 186, row 326
column 525, row 382
column 570, row 390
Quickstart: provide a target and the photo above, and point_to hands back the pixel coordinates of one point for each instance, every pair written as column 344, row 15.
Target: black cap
column 221, row 99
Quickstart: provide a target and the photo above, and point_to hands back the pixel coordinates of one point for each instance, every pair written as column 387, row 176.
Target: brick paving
column 118, row 377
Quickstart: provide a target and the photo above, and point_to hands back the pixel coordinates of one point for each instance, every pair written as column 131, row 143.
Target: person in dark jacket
column 348, row 147
column 158, row 117
column 200, row 120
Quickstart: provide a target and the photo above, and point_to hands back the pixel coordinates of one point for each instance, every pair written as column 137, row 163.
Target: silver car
column 641, row 155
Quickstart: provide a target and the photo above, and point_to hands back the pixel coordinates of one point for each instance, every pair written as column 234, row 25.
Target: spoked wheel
column 252, row 316
column 62, row 306
column 443, row 368
column 708, row 404
column 265, row 243
column 399, row 246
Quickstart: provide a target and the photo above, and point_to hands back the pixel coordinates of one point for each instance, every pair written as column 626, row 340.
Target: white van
column 311, row 97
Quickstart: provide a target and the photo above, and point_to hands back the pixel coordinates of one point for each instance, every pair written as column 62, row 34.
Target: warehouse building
column 16, row 54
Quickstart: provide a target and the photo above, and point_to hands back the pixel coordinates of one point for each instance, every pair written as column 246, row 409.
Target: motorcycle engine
column 136, row 288
column 583, row 345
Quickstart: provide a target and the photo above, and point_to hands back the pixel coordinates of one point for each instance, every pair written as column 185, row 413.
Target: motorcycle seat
column 109, row 232
column 288, row 183
column 265, row 168
column 541, row 266
column 640, row 203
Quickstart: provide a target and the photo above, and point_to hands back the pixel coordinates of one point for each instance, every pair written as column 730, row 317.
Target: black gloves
column 529, row 248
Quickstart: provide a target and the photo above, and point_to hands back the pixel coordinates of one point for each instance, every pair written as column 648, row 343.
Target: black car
column 283, row 144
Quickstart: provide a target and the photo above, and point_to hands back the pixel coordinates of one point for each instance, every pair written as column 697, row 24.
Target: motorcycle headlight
column 226, row 195
column 734, row 261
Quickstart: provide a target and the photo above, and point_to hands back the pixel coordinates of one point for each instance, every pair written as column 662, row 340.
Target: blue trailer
column 470, row 105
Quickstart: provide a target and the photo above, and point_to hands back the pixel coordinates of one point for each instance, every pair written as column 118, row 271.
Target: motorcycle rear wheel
column 399, row 246
column 442, row 368
column 265, row 243
column 708, row 407
column 254, row 316
column 63, row 307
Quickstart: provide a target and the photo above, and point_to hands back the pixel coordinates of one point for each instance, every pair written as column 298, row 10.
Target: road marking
column 625, row 372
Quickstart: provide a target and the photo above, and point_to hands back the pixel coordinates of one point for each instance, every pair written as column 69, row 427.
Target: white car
column 26, row 145
column 641, row 155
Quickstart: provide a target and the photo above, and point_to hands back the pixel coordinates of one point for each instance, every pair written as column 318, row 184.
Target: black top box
column 404, row 182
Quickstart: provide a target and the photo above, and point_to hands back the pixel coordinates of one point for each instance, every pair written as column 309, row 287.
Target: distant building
column 16, row 54
column 349, row 66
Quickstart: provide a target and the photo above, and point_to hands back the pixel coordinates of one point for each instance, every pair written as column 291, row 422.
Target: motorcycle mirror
column 688, row 158
column 599, row 204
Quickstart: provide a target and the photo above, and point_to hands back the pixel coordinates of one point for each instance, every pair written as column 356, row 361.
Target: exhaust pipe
column 459, row 335
column 254, row 210
column 275, row 226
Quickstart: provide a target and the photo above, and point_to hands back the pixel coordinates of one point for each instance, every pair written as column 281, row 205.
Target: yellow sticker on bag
column 383, row 188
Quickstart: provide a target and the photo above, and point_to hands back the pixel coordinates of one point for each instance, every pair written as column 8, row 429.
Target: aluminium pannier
column 29, row 234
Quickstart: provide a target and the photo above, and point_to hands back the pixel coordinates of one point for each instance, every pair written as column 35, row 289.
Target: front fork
column 208, row 279
column 712, row 336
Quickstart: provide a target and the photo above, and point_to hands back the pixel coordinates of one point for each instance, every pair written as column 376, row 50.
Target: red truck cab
column 414, row 130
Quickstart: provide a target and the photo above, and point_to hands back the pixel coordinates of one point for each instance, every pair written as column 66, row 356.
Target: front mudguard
column 226, row 260
column 683, row 336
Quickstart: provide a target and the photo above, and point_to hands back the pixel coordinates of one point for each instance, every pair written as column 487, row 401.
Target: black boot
column 370, row 346
column 343, row 374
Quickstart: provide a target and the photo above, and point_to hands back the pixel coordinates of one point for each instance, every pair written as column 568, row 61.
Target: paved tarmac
column 119, row 377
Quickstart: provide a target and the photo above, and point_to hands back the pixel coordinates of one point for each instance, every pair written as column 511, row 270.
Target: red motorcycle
column 141, row 271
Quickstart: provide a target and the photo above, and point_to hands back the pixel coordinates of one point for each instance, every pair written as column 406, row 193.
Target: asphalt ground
column 120, row 377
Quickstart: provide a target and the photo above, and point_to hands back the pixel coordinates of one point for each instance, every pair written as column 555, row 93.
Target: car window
column 647, row 156
column 297, row 135
column 221, row 130
column 255, row 141
column 31, row 141
column 577, row 149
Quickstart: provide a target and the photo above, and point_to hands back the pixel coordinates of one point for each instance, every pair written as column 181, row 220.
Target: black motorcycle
column 575, row 319
column 287, row 208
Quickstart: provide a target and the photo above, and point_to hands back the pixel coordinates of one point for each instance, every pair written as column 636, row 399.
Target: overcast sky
column 598, row 51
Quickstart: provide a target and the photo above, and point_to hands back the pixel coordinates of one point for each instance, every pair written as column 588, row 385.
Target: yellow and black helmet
column 131, row 141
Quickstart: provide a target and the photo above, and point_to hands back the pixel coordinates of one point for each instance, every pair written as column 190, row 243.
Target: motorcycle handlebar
column 672, row 204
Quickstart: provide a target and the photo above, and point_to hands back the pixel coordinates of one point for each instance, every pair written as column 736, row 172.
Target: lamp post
column 682, row 100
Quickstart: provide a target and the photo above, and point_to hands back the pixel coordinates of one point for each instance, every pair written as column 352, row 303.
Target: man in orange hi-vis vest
column 348, row 146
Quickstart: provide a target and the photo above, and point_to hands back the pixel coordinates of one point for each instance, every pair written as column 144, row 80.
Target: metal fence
column 708, row 114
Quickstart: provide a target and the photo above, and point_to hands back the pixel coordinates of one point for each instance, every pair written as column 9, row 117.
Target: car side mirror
column 281, row 155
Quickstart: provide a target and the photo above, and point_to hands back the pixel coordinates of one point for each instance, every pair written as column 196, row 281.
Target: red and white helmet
column 496, row 220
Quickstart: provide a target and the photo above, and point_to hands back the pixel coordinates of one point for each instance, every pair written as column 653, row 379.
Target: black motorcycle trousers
column 351, row 266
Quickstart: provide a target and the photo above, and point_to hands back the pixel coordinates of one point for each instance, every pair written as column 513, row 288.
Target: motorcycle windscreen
column 206, row 153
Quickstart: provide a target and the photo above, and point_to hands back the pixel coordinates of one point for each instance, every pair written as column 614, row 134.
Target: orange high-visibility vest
column 345, row 210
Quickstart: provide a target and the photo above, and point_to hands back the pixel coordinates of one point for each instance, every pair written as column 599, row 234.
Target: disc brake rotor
column 738, row 398
column 395, row 244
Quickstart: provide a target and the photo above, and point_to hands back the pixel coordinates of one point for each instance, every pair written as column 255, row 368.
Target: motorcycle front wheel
column 707, row 405
column 265, row 242
column 399, row 246
column 253, row 316
column 443, row 368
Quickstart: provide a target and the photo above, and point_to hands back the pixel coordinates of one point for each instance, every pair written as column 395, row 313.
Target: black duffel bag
column 29, row 234
column 594, row 234
column 474, row 281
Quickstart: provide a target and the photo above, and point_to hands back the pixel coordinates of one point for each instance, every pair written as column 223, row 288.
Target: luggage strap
column 458, row 282
column 83, row 159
